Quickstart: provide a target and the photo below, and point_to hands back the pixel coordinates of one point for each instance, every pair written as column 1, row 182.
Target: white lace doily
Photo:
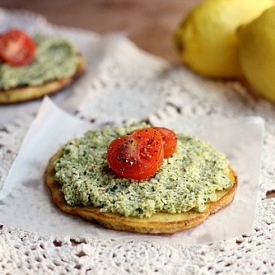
column 127, row 84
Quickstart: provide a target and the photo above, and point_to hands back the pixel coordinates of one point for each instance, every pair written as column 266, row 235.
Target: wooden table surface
column 150, row 24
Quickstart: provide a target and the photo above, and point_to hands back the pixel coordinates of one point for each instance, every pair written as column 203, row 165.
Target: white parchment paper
column 25, row 201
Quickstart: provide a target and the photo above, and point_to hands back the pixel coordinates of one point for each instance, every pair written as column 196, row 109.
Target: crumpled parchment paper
column 25, row 201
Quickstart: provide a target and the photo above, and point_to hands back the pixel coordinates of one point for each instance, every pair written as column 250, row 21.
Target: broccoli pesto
column 185, row 181
column 55, row 58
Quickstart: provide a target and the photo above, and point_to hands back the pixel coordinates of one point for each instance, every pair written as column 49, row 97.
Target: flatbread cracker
column 159, row 223
column 27, row 93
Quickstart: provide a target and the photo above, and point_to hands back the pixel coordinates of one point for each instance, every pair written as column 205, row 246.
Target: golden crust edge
column 28, row 93
column 159, row 223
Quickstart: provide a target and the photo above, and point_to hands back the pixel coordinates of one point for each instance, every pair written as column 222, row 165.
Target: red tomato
column 169, row 141
column 137, row 155
column 16, row 47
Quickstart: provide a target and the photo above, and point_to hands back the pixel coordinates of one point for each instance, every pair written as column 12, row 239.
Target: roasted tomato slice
column 169, row 138
column 16, row 47
column 137, row 155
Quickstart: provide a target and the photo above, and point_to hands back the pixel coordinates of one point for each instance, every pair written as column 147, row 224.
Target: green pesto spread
column 55, row 58
column 185, row 181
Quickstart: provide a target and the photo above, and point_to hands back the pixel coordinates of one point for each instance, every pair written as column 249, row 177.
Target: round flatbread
column 159, row 223
column 27, row 93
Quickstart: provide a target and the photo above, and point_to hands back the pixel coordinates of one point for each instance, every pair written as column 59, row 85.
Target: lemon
column 206, row 39
column 257, row 53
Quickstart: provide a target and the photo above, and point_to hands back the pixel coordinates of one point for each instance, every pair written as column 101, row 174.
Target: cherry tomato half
column 16, row 47
column 169, row 141
column 137, row 155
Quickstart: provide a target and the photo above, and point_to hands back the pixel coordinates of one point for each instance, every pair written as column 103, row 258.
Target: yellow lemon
column 206, row 39
column 257, row 53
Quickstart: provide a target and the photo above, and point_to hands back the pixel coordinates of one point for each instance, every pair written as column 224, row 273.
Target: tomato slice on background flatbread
column 16, row 47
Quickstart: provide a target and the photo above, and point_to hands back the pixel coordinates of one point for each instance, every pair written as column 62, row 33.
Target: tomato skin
column 138, row 155
column 16, row 47
column 169, row 138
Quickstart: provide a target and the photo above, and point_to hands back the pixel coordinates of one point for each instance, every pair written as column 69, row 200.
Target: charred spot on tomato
column 149, row 142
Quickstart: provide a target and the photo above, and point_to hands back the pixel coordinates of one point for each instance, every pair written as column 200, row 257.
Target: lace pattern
column 143, row 87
